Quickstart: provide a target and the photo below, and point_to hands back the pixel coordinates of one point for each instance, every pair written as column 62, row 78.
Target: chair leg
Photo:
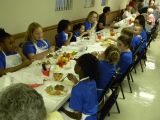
column 122, row 91
column 117, row 106
column 141, row 65
column 144, row 62
column 128, row 77
column 135, row 71
column 129, row 85
column 131, row 76
column 108, row 114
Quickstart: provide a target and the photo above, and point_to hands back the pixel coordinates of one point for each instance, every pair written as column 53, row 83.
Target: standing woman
column 91, row 21
column 125, row 61
column 11, row 57
column 36, row 47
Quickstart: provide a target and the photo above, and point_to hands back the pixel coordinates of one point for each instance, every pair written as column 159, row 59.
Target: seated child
column 11, row 56
column 36, row 47
column 107, row 67
column 64, row 35
column 125, row 61
column 137, row 39
column 78, row 31
column 91, row 21
column 83, row 102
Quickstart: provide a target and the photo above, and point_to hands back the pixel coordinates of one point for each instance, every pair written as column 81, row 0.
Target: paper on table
column 29, row 75
column 5, row 81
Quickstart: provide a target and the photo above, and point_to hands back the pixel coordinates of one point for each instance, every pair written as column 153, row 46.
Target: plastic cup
column 46, row 72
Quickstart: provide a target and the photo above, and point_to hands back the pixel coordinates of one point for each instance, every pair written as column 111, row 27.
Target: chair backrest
column 109, row 103
column 108, row 86
column 136, row 51
column 153, row 32
column 121, row 77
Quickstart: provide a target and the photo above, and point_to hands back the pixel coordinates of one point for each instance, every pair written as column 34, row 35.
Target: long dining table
column 32, row 75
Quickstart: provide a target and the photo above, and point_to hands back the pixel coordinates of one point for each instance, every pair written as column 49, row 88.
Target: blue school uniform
column 35, row 48
column 136, row 41
column 9, row 59
column 84, row 99
column 76, row 34
column 106, row 71
column 61, row 39
column 88, row 25
column 144, row 37
column 125, row 62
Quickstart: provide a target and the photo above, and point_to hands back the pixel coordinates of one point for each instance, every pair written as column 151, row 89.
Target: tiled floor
column 144, row 102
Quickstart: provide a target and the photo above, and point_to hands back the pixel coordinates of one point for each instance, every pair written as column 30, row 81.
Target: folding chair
column 111, row 100
column 137, row 57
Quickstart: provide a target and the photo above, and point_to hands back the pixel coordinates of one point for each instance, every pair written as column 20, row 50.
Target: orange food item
column 64, row 59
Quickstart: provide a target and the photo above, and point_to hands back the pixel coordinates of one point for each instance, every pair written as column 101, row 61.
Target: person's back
column 86, row 91
column 107, row 67
column 106, row 71
column 125, row 61
column 144, row 37
column 135, row 42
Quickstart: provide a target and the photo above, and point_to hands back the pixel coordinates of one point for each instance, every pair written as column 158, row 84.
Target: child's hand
column 96, row 54
column 26, row 63
column 18, row 50
column 101, row 56
column 95, row 22
column 70, row 34
column 72, row 78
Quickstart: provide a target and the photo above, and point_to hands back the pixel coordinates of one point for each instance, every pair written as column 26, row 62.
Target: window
column 62, row 5
column 103, row 2
column 89, row 3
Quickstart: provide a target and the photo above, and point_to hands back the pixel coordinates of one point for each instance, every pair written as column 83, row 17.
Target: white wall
column 16, row 15
column 123, row 3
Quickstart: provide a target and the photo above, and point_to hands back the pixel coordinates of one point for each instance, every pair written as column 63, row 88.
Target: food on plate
column 49, row 56
column 107, row 42
column 74, row 53
column 58, row 76
column 65, row 58
column 56, row 90
column 59, row 87
column 48, row 62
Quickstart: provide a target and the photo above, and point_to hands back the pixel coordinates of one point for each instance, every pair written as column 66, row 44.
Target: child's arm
column 84, row 33
column 67, row 42
column 13, row 69
column 93, row 27
column 100, row 25
column 72, row 78
column 39, row 56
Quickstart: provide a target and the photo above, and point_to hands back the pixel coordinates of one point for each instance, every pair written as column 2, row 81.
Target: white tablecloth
column 32, row 74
